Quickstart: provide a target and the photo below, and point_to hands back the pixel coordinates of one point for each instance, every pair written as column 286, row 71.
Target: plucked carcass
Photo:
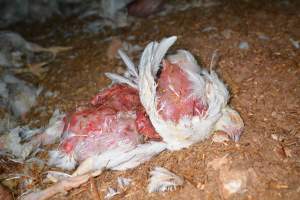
column 114, row 118
column 174, row 97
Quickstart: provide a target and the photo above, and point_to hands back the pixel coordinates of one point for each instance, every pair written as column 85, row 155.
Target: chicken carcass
column 115, row 118
column 185, row 104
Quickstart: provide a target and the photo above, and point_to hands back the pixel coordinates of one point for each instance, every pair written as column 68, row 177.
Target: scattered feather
column 123, row 182
column 244, row 45
column 262, row 36
column 295, row 43
column 163, row 180
column 209, row 29
column 236, row 181
column 110, row 193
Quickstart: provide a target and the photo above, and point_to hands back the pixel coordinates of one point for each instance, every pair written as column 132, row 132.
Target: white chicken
column 18, row 95
column 16, row 52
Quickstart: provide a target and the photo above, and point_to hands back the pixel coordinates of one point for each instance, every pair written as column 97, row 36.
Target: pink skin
column 174, row 94
column 116, row 115
column 104, row 130
column 119, row 97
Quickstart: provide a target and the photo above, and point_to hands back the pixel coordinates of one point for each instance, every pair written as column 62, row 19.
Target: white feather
column 130, row 66
column 120, row 79
column 122, row 158
column 61, row 160
column 110, row 193
column 54, row 129
column 159, row 52
column 186, row 131
column 123, row 182
column 185, row 60
column 163, row 180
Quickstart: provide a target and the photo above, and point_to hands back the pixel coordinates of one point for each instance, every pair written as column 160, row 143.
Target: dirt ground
column 264, row 80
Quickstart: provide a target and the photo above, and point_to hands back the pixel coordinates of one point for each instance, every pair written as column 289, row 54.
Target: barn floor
column 263, row 77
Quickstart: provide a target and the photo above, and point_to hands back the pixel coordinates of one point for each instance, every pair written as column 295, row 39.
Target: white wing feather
column 130, row 66
column 122, row 158
column 189, row 130
column 120, row 79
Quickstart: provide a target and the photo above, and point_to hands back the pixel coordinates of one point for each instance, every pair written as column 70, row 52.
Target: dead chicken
column 185, row 104
column 182, row 112
column 16, row 52
column 115, row 118
column 18, row 95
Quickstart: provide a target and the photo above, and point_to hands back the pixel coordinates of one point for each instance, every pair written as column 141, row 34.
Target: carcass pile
column 166, row 103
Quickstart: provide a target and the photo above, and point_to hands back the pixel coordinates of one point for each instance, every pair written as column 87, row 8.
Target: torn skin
column 174, row 94
column 113, row 119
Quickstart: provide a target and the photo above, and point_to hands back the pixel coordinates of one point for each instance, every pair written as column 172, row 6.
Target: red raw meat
column 115, row 117
column 175, row 94
column 144, row 125
column 120, row 97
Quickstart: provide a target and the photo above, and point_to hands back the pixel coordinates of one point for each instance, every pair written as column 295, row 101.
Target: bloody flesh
column 174, row 93
column 116, row 115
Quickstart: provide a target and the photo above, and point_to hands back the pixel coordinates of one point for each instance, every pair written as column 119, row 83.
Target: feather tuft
column 62, row 160
column 116, row 78
column 111, row 192
column 55, row 128
column 163, row 180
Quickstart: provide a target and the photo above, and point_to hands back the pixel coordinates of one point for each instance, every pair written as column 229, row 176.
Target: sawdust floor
column 264, row 81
